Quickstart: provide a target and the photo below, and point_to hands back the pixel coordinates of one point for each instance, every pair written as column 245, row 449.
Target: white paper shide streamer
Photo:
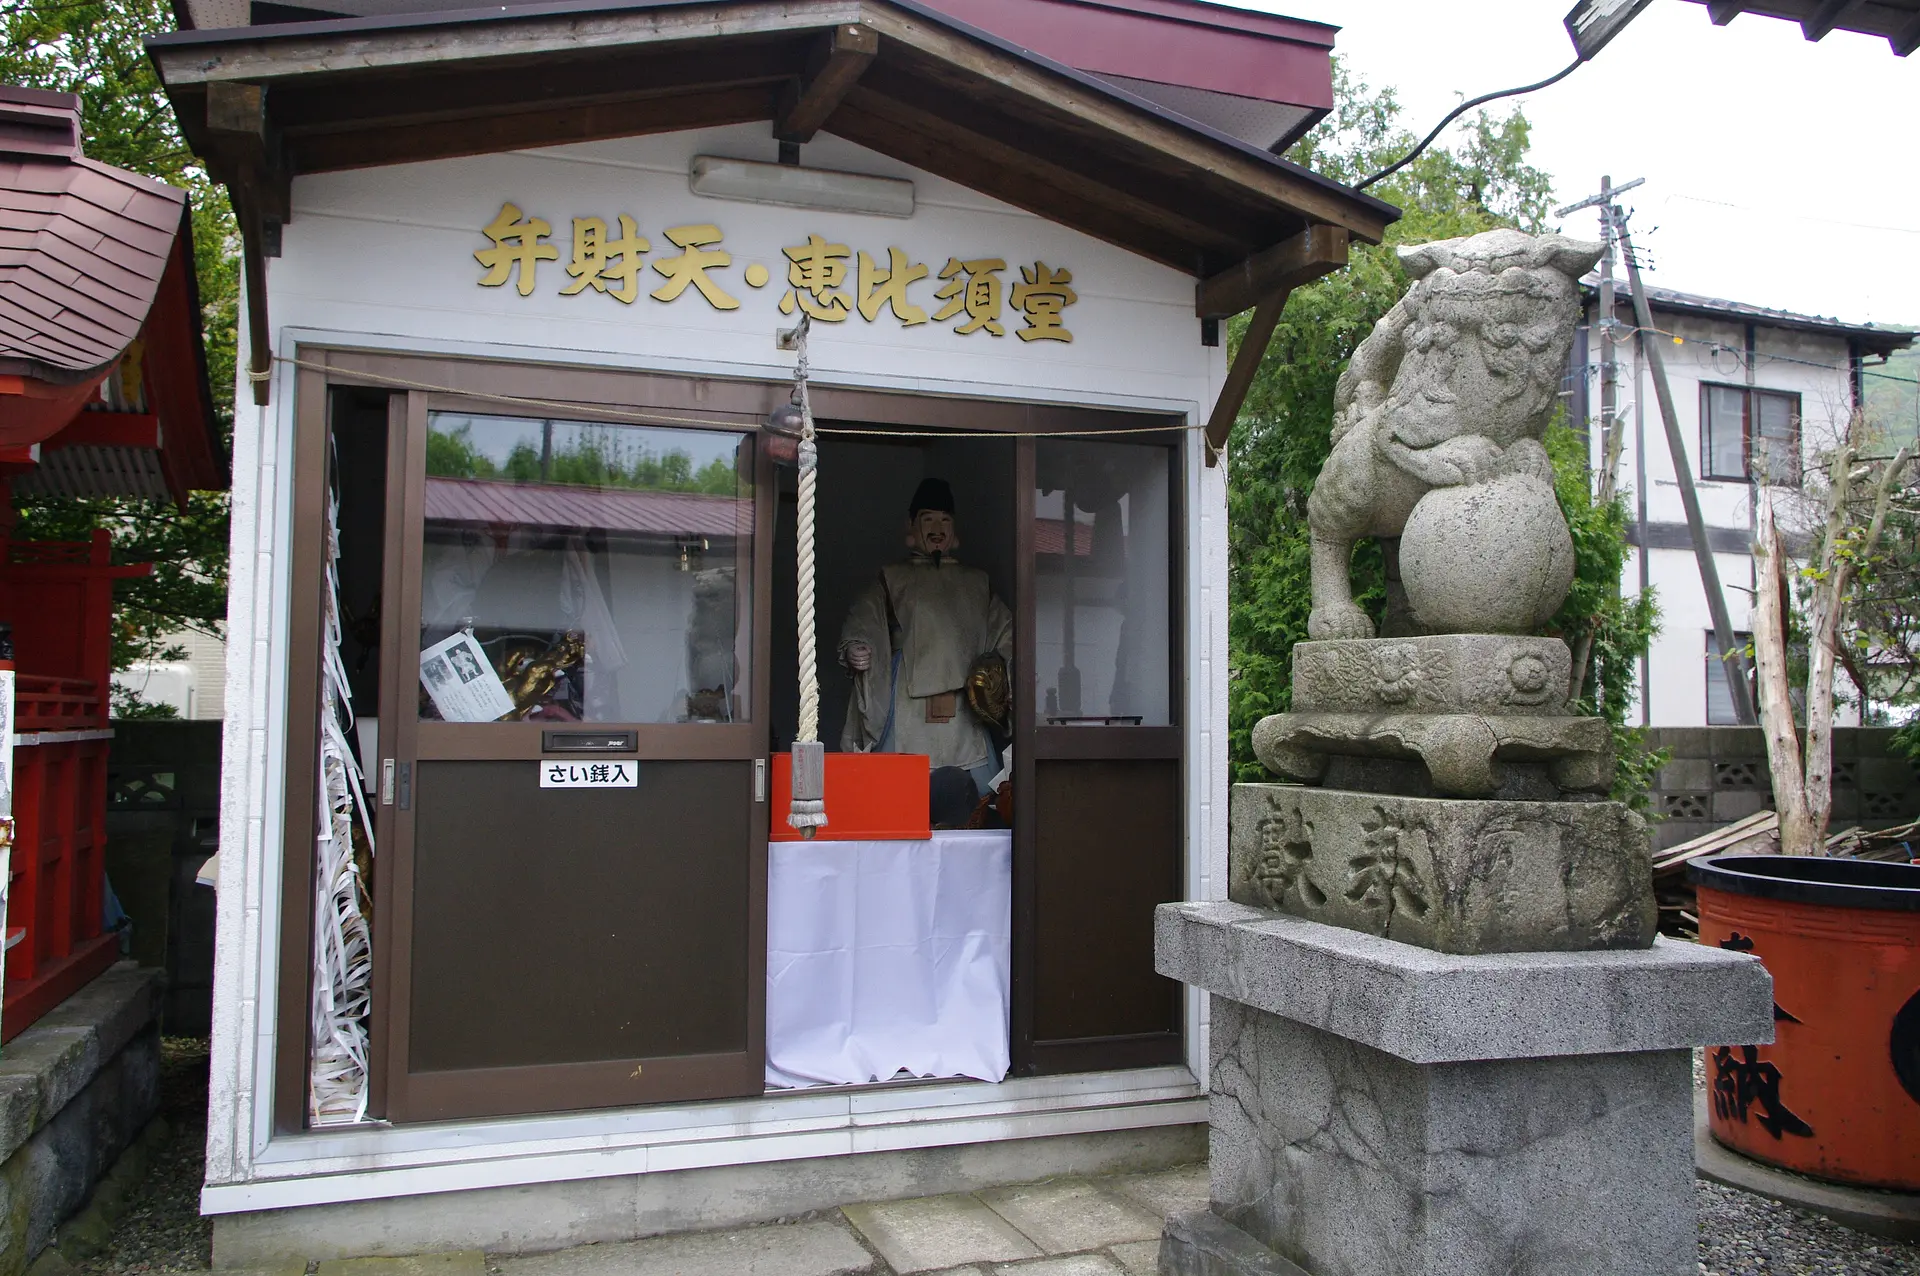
column 343, row 943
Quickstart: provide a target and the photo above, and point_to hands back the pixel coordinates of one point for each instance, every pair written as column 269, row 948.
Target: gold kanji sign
column 830, row 282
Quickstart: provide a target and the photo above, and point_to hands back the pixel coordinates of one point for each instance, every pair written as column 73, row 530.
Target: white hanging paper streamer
column 342, row 941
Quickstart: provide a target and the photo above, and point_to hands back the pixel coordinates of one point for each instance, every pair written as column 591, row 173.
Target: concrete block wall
column 1719, row 774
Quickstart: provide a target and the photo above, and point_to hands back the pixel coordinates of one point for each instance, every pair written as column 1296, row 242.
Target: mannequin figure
column 912, row 638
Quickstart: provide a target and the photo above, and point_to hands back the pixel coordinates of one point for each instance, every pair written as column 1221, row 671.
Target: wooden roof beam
column 1096, row 114
column 303, row 108
column 1318, row 250
column 507, row 36
column 1817, row 25
column 836, row 64
column 884, row 129
column 989, row 136
column 1907, row 38
column 244, row 153
column 245, row 147
column 521, row 130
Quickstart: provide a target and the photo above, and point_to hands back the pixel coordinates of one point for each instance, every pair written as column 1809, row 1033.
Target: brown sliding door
column 572, row 766
column 1099, row 823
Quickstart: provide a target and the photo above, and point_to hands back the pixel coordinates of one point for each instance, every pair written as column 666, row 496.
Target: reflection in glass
column 601, row 570
column 1101, row 564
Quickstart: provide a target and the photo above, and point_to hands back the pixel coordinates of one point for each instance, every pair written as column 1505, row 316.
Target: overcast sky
column 1779, row 172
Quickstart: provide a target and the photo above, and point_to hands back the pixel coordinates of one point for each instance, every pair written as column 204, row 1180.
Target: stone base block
column 1379, row 1108
column 1453, row 876
column 1351, row 1162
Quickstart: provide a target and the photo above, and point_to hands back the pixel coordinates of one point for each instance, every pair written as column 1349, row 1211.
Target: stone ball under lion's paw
column 1492, row 557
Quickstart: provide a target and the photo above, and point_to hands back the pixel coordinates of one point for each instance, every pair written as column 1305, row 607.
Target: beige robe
column 948, row 618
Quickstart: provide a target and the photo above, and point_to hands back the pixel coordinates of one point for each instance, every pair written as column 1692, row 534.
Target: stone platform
column 1382, row 1108
column 76, row 1088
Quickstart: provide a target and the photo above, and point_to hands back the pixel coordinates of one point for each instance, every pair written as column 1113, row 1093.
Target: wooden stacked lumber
column 1759, row 834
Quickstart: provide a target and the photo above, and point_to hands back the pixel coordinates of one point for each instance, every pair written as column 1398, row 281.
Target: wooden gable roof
column 265, row 103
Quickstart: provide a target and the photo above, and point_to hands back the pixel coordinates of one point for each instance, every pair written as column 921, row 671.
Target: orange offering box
column 871, row 797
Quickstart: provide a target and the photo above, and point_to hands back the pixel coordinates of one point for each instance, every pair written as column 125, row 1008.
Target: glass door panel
column 1101, row 593
column 1099, row 764
column 589, row 934
column 581, row 572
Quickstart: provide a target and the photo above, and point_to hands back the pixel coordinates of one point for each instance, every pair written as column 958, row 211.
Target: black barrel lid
column 1837, row 881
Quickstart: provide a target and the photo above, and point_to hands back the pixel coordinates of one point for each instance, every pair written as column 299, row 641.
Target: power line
column 1462, row 109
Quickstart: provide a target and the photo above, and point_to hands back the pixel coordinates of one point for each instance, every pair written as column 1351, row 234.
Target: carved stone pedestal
column 1456, row 876
column 1481, row 715
column 1385, row 1110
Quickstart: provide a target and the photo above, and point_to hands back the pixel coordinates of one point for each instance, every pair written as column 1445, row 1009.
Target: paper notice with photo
column 461, row 682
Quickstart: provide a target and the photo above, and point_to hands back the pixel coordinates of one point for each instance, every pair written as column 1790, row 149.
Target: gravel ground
column 1746, row 1235
column 162, row 1231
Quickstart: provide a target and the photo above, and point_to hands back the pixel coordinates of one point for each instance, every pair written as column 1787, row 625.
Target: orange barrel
column 1837, row 1094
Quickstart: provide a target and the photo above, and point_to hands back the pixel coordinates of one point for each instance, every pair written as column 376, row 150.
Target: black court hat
column 932, row 494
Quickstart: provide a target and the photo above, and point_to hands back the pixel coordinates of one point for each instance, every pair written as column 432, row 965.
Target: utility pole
column 1733, row 661
column 1609, row 414
column 1611, row 440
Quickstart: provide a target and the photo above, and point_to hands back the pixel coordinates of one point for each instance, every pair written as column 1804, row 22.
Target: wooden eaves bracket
column 1263, row 281
column 244, row 154
column 836, row 64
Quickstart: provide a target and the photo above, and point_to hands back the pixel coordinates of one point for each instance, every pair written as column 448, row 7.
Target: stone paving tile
column 464, row 1262
column 1072, row 1265
column 1140, row 1258
column 1167, row 1192
column 783, row 1249
column 935, row 1232
column 1063, row 1216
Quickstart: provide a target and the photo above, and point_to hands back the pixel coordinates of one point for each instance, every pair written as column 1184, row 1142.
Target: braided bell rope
column 809, row 487
column 808, row 812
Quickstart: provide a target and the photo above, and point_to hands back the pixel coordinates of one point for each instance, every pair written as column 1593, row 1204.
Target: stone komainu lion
column 1452, row 389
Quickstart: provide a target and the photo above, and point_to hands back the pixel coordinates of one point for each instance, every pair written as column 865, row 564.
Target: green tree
column 1284, row 430
column 94, row 50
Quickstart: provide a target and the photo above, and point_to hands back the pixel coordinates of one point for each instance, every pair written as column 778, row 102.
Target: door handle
column 405, row 786
column 386, row 782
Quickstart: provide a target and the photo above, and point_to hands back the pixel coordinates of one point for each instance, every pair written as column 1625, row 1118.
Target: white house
column 509, row 535
column 1758, row 394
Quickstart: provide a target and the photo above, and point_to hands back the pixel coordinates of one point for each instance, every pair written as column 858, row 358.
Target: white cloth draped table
column 884, row 956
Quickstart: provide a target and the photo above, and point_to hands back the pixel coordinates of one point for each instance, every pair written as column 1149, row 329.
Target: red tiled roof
column 83, row 245
column 1050, row 537
column 553, row 507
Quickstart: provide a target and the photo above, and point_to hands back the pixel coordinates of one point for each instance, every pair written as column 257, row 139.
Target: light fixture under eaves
column 791, row 186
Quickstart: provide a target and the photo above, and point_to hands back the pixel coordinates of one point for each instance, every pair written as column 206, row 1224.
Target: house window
column 1719, row 699
column 1749, row 433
